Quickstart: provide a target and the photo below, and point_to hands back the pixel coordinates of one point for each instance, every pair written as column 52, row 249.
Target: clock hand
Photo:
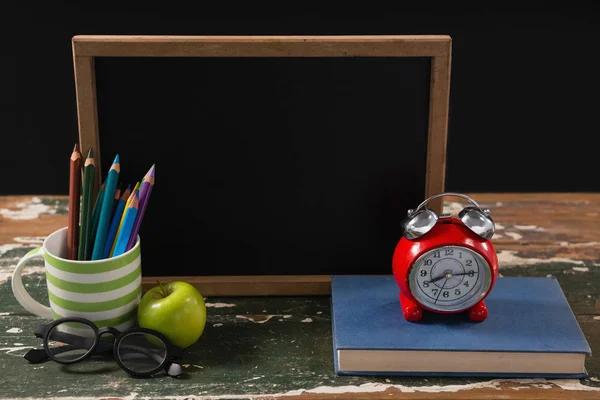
column 438, row 278
column 444, row 275
column 440, row 292
column 464, row 273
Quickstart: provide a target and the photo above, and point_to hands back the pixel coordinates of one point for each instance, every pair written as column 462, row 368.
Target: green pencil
column 89, row 173
column 106, row 210
column 91, row 234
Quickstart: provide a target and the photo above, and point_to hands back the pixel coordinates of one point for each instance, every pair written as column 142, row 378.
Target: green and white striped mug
column 107, row 292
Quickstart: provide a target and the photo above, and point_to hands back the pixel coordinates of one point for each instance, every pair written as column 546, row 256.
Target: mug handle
column 21, row 294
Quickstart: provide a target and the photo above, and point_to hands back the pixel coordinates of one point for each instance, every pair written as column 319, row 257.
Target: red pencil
column 74, row 201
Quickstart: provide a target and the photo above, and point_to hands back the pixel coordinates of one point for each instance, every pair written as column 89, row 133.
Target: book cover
column 530, row 331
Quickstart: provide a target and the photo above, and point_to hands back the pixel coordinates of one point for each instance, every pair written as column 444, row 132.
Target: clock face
column 449, row 278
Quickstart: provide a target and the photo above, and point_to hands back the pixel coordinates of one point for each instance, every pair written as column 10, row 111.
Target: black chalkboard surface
column 269, row 166
column 265, row 165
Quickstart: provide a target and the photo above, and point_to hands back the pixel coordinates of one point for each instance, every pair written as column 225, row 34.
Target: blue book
column 530, row 331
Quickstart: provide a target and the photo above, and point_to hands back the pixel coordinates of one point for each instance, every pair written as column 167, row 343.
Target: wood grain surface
column 262, row 46
column 280, row 347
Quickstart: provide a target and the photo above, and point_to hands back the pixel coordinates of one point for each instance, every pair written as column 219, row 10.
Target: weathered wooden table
column 280, row 347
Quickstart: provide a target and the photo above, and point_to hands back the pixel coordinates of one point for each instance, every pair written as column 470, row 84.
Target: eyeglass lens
column 70, row 341
column 141, row 352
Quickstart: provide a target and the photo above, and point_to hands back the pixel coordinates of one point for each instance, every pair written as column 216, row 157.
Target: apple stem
column 162, row 289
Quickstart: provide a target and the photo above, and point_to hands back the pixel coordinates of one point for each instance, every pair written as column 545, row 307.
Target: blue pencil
column 114, row 225
column 107, row 208
column 125, row 232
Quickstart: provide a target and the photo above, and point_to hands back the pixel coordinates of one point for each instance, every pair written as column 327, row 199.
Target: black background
column 302, row 165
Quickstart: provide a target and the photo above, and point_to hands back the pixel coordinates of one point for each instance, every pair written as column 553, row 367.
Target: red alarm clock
column 444, row 264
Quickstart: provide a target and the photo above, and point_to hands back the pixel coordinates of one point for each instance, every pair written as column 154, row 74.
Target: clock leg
column 411, row 310
column 478, row 312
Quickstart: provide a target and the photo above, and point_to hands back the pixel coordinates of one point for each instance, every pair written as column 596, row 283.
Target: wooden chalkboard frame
column 437, row 47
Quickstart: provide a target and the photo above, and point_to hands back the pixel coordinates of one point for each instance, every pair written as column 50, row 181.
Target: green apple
column 175, row 309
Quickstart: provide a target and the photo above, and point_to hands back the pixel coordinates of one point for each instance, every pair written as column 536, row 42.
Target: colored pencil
column 145, row 191
column 106, row 210
column 74, row 204
column 130, row 216
column 95, row 219
column 134, row 193
column 89, row 174
column 116, row 200
column 114, row 225
column 135, row 189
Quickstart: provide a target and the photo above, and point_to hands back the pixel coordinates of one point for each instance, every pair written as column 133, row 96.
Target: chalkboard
column 272, row 172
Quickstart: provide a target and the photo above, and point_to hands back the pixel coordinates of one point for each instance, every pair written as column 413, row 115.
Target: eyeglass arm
column 39, row 355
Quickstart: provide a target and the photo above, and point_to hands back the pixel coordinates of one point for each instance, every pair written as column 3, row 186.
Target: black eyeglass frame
column 173, row 355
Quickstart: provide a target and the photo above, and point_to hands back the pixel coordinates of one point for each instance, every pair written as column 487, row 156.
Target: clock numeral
column 423, row 272
column 457, row 292
column 436, row 254
column 466, row 284
column 428, row 263
column 446, row 293
column 434, row 291
column 426, row 284
column 449, row 252
column 460, row 254
column 471, row 273
column 469, row 263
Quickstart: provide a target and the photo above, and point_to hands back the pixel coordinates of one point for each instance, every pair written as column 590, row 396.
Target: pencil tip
column 116, row 159
column 75, row 155
column 151, row 171
column 90, row 153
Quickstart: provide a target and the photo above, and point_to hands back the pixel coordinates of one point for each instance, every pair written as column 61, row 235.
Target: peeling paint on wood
column 38, row 240
column 565, row 384
column 259, row 319
column 7, row 271
column 528, row 228
column 514, row 235
column 580, row 269
column 10, row 350
column 5, row 248
column 219, row 305
column 588, row 244
column 16, row 210
column 294, row 359
column 507, row 258
column 30, row 210
column 452, row 207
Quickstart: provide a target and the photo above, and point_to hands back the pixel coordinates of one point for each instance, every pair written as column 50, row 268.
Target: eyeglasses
column 138, row 351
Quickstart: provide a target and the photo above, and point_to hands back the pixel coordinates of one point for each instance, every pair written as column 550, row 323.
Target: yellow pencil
column 136, row 187
column 133, row 192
